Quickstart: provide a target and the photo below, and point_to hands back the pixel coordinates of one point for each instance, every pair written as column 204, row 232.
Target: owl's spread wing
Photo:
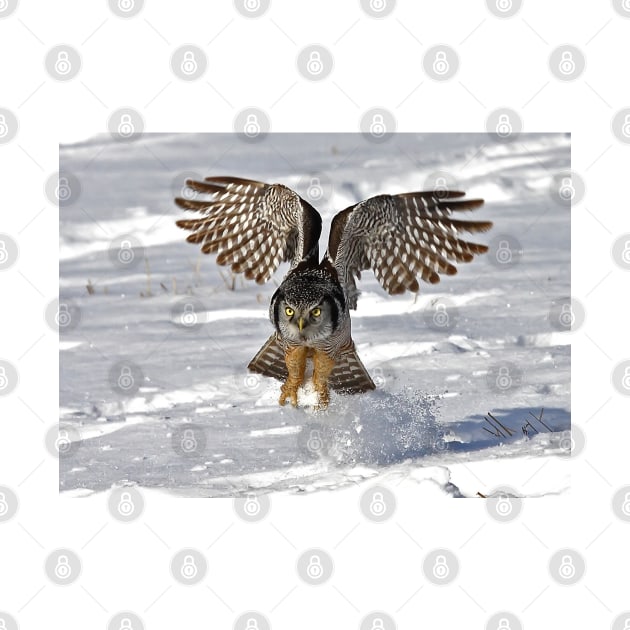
column 403, row 238
column 251, row 226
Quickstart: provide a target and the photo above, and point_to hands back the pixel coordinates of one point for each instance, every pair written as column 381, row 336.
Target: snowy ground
column 154, row 389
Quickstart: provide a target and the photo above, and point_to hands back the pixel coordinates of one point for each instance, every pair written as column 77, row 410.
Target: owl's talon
column 288, row 391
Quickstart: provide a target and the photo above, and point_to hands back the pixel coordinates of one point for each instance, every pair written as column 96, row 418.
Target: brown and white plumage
column 253, row 227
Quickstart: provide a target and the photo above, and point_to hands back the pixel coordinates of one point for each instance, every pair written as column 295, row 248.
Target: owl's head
column 306, row 308
column 304, row 322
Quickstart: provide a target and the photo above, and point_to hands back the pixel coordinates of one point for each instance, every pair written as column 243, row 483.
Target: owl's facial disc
column 303, row 322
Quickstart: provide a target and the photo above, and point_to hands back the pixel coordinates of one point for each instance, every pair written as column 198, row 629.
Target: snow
column 423, row 425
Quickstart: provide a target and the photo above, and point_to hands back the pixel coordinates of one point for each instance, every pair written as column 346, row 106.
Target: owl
column 253, row 227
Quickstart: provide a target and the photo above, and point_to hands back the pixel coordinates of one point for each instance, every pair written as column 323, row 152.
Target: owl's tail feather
column 349, row 375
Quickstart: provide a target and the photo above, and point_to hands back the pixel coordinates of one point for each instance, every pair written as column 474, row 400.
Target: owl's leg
column 322, row 367
column 295, row 359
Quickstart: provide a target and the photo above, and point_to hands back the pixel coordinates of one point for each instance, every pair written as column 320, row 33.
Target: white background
column 252, row 62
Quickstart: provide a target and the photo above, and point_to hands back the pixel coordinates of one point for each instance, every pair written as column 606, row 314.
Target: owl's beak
column 301, row 323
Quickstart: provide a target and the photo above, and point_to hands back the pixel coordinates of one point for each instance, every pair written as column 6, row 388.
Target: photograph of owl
column 253, row 227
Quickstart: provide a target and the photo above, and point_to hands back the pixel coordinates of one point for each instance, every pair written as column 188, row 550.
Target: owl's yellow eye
column 289, row 311
column 316, row 312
